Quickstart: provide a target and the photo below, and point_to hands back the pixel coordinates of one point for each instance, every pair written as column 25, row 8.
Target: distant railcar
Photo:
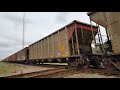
column 9, row 59
column 13, row 57
column 22, row 55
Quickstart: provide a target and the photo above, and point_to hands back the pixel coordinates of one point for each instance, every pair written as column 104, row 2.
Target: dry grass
column 6, row 69
column 12, row 69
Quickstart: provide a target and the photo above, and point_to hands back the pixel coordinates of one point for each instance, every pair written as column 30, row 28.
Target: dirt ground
column 7, row 69
column 88, row 75
column 94, row 73
column 85, row 73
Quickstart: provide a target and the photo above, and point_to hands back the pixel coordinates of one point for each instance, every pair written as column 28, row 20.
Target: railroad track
column 104, row 72
column 39, row 74
column 51, row 74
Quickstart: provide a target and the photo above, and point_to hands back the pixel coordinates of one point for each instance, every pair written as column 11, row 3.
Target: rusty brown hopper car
column 64, row 43
column 6, row 59
column 9, row 59
column 22, row 54
column 19, row 56
column 14, row 57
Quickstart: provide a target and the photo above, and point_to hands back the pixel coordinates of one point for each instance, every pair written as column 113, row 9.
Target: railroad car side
column 14, row 57
column 10, row 59
column 57, row 46
column 52, row 46
column 7, row 59
column 22, row 55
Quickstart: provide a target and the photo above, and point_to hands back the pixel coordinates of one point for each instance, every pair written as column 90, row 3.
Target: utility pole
column 23, row 29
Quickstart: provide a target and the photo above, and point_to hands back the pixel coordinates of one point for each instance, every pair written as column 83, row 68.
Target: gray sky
column 37, row 26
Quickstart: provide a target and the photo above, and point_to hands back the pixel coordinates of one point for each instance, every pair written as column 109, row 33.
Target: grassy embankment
column 6, row 68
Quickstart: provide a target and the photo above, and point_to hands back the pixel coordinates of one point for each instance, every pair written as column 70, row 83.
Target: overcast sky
column 37, row 26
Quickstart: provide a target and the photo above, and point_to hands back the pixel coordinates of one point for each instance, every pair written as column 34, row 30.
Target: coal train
column 63, row 45
column 72, row 44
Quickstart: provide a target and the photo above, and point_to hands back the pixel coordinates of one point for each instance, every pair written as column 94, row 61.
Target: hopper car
column 20, row 56
column 64, row 45
column 111, row 22
column 72, row 44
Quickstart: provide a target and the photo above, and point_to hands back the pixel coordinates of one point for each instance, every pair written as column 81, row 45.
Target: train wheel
column 82, row 63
